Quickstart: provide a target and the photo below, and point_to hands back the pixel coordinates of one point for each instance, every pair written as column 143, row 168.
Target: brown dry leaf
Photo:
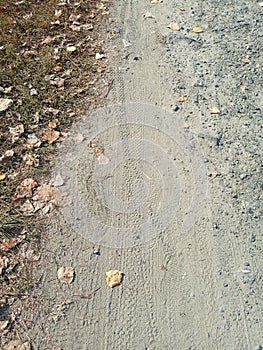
column 11, row 20
column 5, row 103
column 4, row 326
column 25, row 189
column 198, row 30
column 114, row 278
column 181, row 99
column 33, row 142
column 9, row 243
column 181, row 8
column 4, row 263
column 2, row 176
column 52, row 124
column 66, row 274
column 214, row 110
column 27, row 207
column 31, row 160
column 16, row 132
column 173, row 26
column 57, row 69
column 50, row 135
column 47, row 40
column 48, row 193
column 99, row 151
column 73, row 17
column 213, row 175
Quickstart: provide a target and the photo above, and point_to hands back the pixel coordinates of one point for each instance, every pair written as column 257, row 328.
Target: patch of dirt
column 197, row 288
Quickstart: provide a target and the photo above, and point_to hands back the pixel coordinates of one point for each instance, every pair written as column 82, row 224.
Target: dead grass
column 34, row 36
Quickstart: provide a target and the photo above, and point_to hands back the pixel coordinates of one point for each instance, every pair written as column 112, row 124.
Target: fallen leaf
column 198, row 30
column 10, row 243
column 65, row 274
column 48, row 193
column 87, row 26
column 73, row 17
column 2, row 176
column 5, row 103
column 173, row 26
column 52, row 124
column 99, row 151
column 47, row 40
column 9, row 153
column 58, row 13
column 25, row 189
column 33, row 142
column 4, row 263
column 114, row 278
column 16, row 132
column 50, row 135
column 181, row 99
column 99, row 56
column 148, row 15
column 33, row 92
column 31, row 159
column 52, row 110
column 71, row 48
column 11, row 20
column 27, row 207
column 58, row 82
column 57, row 69
column 213, row 175
column 181, row 8
column 4, row 326
column 214, row 110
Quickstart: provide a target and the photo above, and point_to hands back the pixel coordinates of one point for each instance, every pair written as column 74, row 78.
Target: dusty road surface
column 166, row 190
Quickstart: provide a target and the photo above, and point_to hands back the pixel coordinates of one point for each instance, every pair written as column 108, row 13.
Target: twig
column 88, row 296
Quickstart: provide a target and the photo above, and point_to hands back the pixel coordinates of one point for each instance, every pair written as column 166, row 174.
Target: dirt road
column 189, row 245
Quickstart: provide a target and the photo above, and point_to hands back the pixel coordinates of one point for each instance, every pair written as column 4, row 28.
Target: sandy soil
column 192, row 253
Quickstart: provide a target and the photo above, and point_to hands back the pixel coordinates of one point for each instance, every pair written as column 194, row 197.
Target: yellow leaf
column 2, row 176
column 181, row 99
column 198, row 30
column 181, row 8
column 114, row 278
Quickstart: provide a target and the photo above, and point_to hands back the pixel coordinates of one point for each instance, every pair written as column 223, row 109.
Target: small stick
column 82, row 296
column 109, row 88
